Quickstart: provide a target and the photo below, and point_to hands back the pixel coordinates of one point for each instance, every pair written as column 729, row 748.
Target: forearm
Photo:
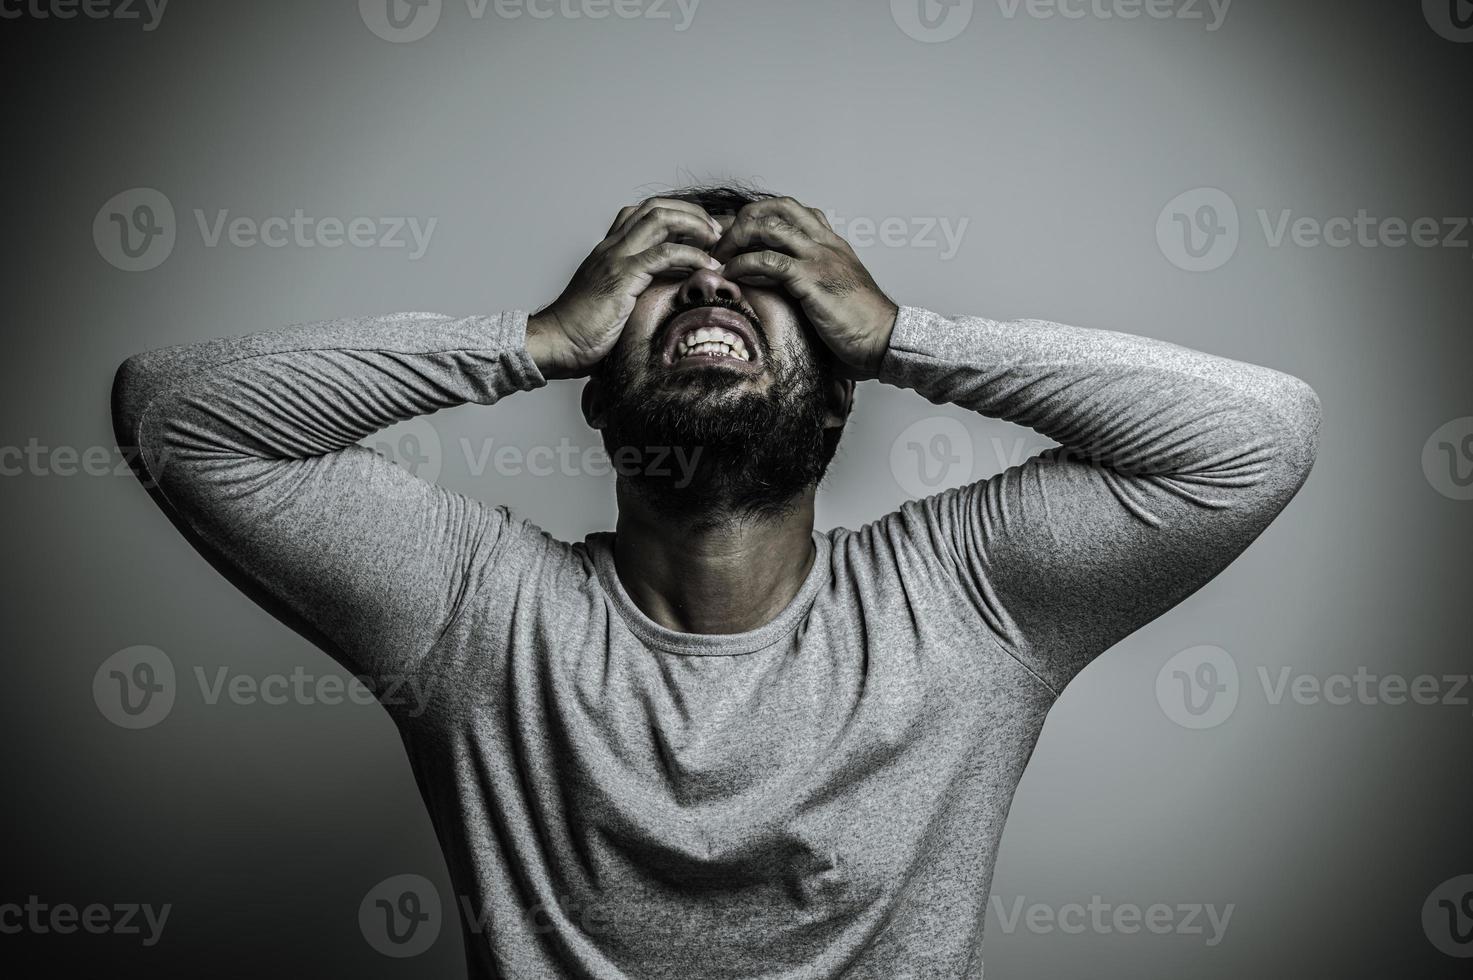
column 249, row 446
column 313, row 389
column 1173, row 462
column 1136, row 405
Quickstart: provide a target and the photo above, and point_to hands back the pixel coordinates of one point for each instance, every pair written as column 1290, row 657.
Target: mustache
column 759, row 330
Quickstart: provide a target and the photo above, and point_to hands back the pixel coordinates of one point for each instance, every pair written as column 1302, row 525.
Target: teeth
column 712, row 342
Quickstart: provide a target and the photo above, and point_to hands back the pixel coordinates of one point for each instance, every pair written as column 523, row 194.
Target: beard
column 698, row 444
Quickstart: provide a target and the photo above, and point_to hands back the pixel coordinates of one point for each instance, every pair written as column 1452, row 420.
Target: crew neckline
column 601, row 547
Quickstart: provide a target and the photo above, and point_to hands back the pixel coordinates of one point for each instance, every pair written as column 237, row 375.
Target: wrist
column 879, row 344
column 547, row 345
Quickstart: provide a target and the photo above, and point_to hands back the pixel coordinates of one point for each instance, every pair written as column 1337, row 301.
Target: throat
column 712, row 574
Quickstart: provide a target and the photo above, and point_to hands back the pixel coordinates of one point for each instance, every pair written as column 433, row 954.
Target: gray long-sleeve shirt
column 819, row 797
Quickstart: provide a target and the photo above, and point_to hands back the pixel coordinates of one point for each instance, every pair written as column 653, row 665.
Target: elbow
column 130, row 394
column 1297, row 411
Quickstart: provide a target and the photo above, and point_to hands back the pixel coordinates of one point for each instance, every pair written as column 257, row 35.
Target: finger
column 619, row 218
column 660, row 225
column 672, row 257
column 771, row 230
column 797, row 215
column 766, row 266
column 634, row 212
column 770, row 216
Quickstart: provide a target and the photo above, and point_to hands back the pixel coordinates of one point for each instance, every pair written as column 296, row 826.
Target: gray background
column 1059, row 140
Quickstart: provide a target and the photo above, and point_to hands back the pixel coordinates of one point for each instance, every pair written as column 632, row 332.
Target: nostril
column 703, row 285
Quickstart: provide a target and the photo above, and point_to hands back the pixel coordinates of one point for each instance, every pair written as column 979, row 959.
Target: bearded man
column 716, row 742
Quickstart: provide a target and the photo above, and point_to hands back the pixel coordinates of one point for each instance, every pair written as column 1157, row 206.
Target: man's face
column 731, row 375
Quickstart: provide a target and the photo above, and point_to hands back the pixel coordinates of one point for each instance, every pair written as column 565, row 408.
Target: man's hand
column 781, row 241
column 581, row 326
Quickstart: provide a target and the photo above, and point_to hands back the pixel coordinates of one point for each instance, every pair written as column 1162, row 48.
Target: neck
column 712, row 572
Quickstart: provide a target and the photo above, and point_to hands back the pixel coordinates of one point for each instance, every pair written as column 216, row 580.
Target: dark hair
column 725, row 197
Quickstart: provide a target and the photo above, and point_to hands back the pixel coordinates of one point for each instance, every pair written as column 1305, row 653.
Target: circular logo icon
column 134, row 231
column 1452, row 19
column 1198, row 687
column 400, row 21
column 931, row 455
column 932, row 21
column 1198, row 230
column 400, row 916
column 1447, row 459
column 414, row 444
column 1447, row 917
column 134, row 688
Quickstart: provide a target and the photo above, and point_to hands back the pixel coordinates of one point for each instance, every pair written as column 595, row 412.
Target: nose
column 705, row 286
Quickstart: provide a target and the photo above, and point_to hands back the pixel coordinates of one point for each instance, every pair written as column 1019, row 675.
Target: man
column 716, row 742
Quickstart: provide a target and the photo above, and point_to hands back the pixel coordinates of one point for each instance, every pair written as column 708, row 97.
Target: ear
column 838, row 400
column 594, row 405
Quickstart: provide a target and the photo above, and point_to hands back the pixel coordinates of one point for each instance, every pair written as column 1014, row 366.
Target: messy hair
column 719, row 198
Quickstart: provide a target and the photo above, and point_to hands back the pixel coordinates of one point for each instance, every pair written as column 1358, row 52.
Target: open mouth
column 710, row 336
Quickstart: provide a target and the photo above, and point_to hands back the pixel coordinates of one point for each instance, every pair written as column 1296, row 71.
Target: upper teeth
column 713, row 342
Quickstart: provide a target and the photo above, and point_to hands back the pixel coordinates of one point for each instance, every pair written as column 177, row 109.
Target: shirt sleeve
column 249, row 444
column 1171, row 462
